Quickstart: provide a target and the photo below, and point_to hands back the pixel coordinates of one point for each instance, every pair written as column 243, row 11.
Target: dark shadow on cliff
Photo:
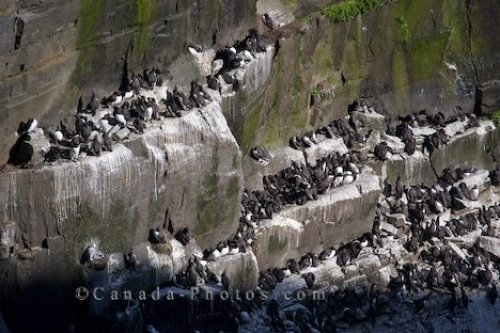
column 49, row 308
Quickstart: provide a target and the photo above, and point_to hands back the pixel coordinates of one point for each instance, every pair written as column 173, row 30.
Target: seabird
column 474, row 193
column 94, row 102
column 128, row 94
column 223, row 248
column 268, row 21
column 307, row 141
column 213, row 255
column 213, row 83
column 107, row 142
column 382, row 151
column 327, row 254
column 156, row 236
column 74, row 150
column 28, row 126
column 93, row 258
column 120, row 118
column 57, row 136
column 348, row 178
column 130, row 260
column 309, row 278
column 22, row 151
column 183, row 236
column 260, row 154
column 95, row 147
column 305, row 262
column 194, row 49
column 53, row 154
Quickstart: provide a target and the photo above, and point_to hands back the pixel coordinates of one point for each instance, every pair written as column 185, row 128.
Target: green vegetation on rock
column 495, row 117
column 404, row 29
column 427, row 57
column 145, row 15
column 90, row 13
column 349, row 9
column 291, row 3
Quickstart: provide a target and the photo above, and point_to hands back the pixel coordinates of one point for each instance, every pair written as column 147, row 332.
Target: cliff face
column 68, row 48
column 405, row 56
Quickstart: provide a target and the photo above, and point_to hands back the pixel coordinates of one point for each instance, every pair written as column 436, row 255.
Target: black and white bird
column 382, row 151
column 268, row 21
column 92, row 257
column 27, row 127
column 260, row 154
column 22, row 151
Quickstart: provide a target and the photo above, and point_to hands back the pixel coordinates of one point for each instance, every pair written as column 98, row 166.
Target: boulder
column 373, row 120
column 323, row 149
column 490, row 244
column 397, row 220
column 121, row 134
column 242, row 270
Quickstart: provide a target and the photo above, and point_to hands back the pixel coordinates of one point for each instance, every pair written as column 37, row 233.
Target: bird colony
column 432, row 247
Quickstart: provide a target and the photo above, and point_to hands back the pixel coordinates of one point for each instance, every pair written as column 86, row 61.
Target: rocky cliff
column 405, row 56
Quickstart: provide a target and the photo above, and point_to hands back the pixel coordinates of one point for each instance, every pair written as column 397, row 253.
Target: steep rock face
column 405, row 56
column 189, row 165
column 192, row 166
column 69, row 47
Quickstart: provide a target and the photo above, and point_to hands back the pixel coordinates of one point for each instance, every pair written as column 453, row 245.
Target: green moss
column 305, row 19
column 400, row 80
column 113, row 232
column 322, row 57
column 495, row 117
column 275, row 245
column 273, row 118
column 404, row 30
column 352, row 63
column 299, row 108
column 315, row 91
column 349, row 9
column 291, row 3
column 427, row 57
column 91, row 12
column 250, row 125
column 453, row 13
column 145, row 15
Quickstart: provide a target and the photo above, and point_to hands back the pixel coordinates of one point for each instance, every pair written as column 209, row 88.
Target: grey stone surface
column 373, row 120
column 117, row 197
column 71, row 47
column 277, row 240
column 323, row 149
column 490, row 244
column 471, row 148
column 121, row 135
column 242, row 269
column 7, row 239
